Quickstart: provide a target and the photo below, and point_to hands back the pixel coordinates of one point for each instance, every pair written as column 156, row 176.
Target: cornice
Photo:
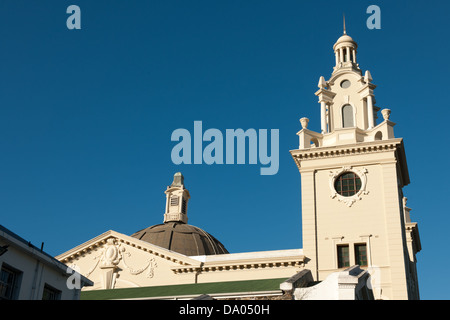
column 311, row 133
column 337, row 72
column 325, row 95
column 413, row 228
column 247, row 264
column 345, row 150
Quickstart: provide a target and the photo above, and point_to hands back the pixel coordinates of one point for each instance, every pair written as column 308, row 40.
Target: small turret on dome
column 177, row 197
column 175, row 233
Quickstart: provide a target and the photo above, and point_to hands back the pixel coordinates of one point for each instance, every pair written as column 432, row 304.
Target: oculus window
column 345, row 84
column 347, row 184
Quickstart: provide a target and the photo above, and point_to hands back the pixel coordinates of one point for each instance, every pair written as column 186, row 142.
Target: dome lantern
column 177, row 197
column 175, row 234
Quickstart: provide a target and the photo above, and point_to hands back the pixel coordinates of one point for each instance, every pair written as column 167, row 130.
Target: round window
column 347, row 184
column 345, row 84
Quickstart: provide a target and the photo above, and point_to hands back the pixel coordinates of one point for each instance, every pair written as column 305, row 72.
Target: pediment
column 112, row 244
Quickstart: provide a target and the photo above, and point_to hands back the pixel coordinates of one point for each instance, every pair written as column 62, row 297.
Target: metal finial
column 345, row 31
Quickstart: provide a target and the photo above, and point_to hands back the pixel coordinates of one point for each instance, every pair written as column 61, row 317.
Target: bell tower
column 352, row 176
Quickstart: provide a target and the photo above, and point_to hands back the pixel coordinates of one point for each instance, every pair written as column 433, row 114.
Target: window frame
column 357, row 254
column 341, row 261
column 353, row 124
column 351, row 189
column 52, row 292
column 344, row 83
column 183, row 205
column 362, row 174
column 13, row 285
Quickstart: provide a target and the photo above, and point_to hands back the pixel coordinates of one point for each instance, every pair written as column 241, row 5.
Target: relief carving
column 150, row 265
column 111, row 256
column 349, row 201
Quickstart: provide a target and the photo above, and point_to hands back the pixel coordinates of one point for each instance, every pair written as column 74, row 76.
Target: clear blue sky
column 86, row 115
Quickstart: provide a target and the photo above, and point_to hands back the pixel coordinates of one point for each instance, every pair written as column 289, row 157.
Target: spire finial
column 178, row 180
column 345, row 31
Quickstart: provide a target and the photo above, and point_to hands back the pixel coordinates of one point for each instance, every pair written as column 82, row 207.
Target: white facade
column 352, row 177
column 27, row 273
column 350, row 284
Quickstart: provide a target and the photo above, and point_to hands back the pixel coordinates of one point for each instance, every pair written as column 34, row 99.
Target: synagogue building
column 359, row 241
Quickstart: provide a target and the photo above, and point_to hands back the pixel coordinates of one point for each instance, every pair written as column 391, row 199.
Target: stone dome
column 182, row 238
column 175, row 234
column 345, row 39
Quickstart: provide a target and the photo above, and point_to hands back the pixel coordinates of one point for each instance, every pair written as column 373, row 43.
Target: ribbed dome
column 181, row 238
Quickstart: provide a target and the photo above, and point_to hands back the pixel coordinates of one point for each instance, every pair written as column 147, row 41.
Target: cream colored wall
column 348, row 96
column 377, row 215
column 113, row 260
column 136, row 268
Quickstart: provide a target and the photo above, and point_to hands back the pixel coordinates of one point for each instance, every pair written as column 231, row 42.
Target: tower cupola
column 345, row 50
column 348, row 111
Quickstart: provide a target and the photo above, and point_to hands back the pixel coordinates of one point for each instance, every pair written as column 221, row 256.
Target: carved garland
column 150, row 263
column 113, row 253
column 349, row 201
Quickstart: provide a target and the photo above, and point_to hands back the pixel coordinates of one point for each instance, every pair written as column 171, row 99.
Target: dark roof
column 182, row 238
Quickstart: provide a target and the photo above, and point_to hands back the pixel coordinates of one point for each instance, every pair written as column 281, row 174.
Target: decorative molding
column 342, row 151
column 93, row 266
column 349, row 201
column 99, row 242
column 347, row 99
column 113, row 253
column 242, row 265
column 150, row 265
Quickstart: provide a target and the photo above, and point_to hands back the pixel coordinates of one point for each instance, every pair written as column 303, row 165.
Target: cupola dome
column 175, row 234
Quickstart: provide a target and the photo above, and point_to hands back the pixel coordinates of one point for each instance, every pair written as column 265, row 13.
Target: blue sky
column 86, row 116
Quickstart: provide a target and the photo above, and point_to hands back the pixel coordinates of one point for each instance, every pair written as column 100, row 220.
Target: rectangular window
column 361, row 254
column 343, row 256
column 347, row 116
column 9, row 283
column 183, row 206
column 174, row 201
column 51, row 293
